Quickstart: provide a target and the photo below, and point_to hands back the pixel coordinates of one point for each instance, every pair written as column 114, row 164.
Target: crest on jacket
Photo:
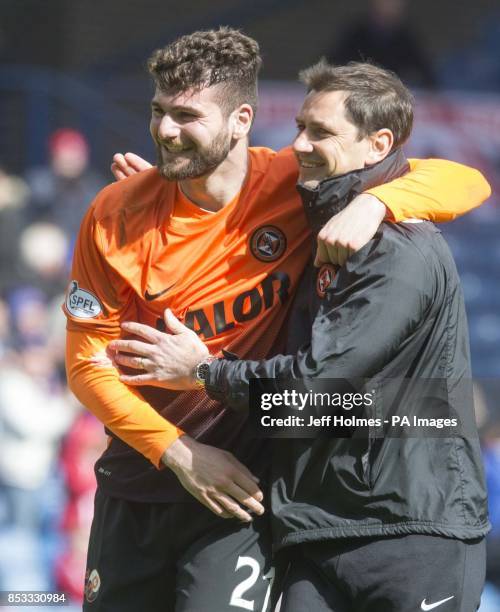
column 326, row 276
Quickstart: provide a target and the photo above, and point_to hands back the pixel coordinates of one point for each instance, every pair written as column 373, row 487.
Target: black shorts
column 389, row 574
column 175, row 558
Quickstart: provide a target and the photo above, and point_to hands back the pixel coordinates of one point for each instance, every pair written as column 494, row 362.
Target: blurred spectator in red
column 385, row 36
column 81, row 449
column 62, row 191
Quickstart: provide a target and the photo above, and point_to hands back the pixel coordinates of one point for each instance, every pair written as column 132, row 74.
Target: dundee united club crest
column 326, row 275
column 92, row 585
column 268, row 243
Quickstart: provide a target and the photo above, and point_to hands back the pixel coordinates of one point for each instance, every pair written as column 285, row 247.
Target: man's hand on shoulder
column 166, row 360
column 215, row 478
column 126, row 165
column 349, row 230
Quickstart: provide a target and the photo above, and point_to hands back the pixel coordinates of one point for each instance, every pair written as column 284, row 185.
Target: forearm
column 435, row 189
column 118, row 407
column 229, row 381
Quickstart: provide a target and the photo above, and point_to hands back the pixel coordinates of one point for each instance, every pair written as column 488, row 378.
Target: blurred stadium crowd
column 49, row 442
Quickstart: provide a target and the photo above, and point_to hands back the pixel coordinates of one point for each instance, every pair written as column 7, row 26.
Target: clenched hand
column 349, row 230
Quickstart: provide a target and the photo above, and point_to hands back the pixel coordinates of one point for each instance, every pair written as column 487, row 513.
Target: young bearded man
column 218, row 234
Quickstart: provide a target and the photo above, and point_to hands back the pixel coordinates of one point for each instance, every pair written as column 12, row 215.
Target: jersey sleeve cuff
column 161, row 445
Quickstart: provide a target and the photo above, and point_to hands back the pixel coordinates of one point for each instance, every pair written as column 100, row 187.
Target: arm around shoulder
column 435, row 189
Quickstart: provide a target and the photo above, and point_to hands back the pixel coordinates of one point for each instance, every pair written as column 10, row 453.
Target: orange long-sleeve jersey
column 228, row 275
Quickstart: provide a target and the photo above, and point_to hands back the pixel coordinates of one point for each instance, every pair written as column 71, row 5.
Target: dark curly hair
column 224, row 57
column 376, row 97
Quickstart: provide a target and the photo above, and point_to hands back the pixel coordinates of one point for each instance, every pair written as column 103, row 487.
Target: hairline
column 347, row 114
column 194, row 89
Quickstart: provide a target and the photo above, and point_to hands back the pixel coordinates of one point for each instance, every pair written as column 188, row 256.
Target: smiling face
column 191, row 132
column 327, row 143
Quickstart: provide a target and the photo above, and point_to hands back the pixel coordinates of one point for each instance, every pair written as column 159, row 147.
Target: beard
column 200, row 161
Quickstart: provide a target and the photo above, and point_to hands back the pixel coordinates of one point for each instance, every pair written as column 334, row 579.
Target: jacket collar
column 335, row 193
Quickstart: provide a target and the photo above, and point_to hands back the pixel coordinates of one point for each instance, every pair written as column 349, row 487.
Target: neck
column 333, row 194
column 218, row 188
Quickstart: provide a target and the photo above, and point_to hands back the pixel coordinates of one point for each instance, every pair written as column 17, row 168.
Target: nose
column 301, row 144
column 168, row 128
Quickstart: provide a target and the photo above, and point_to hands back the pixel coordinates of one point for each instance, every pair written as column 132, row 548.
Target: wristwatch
column 201, row 371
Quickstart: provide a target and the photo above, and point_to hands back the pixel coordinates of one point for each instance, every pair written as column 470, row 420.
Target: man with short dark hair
column 361, row 515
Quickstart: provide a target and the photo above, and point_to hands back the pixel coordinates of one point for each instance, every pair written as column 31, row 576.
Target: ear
column 242, row 118
column 381, row 143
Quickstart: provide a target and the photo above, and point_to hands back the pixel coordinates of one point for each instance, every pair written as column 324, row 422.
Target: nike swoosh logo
column 153, row 296
column 425, row 606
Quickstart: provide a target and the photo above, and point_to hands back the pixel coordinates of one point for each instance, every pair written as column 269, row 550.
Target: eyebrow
column 177, row 107
column 315, row 124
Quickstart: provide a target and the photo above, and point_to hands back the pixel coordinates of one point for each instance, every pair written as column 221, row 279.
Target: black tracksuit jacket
column 394, row 312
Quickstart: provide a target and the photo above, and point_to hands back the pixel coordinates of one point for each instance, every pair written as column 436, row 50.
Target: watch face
column 202, row 371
